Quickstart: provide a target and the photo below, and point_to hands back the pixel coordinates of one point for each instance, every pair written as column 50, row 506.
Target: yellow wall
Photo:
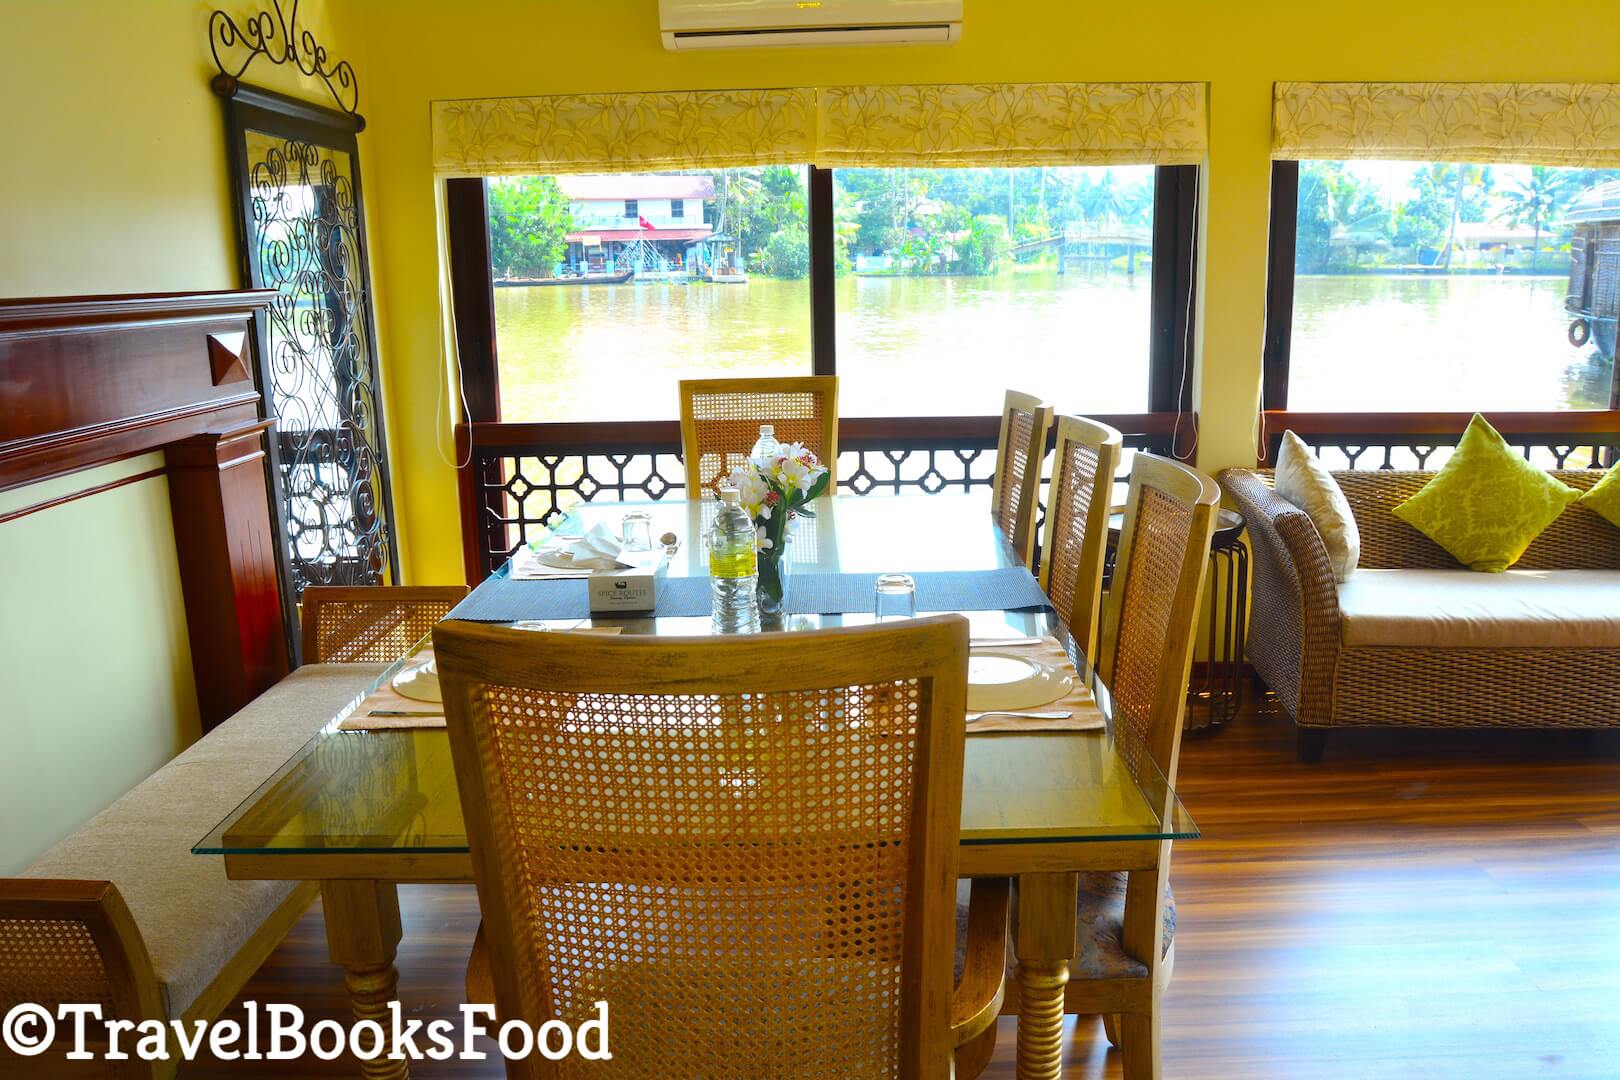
column 112, row 179
column 427, row 50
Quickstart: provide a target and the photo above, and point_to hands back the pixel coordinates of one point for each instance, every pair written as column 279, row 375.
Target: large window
column 954, row 284
column 610, row 289
column 1440, row 287
column 928, row 291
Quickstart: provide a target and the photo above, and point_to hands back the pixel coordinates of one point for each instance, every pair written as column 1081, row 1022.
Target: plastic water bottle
column 733, row 568
column 766, row 448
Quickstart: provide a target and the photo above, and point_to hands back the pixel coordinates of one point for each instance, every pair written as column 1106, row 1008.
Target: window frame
column 1172, row 301
column 632, row 209
column 1283, row 244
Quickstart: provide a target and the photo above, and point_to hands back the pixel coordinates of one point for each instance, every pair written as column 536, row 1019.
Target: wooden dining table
column 362, row 811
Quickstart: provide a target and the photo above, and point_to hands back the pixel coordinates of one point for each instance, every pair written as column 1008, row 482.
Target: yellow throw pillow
column 1487, row 503
column 1603, row 497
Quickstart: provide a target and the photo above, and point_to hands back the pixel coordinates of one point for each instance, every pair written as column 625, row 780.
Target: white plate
column 1006, row 680
column 420, row 683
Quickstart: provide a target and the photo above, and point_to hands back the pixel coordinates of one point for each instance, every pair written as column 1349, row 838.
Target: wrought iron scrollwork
column 319, row 376
column 275, row 35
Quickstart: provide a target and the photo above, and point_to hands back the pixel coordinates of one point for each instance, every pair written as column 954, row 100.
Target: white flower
column 761, row 541
column 751, row 490
column 795, row 468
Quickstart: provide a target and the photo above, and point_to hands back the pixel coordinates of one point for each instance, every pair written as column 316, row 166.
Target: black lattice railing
column 1569, row 440
column 520, row 478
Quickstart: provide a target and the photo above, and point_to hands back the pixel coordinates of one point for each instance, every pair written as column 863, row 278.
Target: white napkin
column 598, row 549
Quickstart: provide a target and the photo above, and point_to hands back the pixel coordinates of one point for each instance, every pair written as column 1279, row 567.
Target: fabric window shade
column 587, row 133
column 1561, row 124
column 1006, row 125
column 1012, row 125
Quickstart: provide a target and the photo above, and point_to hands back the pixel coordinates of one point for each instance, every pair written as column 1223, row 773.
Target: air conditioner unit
column 734, row 24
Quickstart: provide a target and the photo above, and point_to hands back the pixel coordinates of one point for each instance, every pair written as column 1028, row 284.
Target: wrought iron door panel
column 301, row 224
column 319, row 381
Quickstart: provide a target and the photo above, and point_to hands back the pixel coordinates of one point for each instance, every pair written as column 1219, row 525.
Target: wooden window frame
column 1174, row 287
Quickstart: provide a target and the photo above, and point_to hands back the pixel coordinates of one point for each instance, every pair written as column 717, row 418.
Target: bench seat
column 1462, row 609
column 194, row 921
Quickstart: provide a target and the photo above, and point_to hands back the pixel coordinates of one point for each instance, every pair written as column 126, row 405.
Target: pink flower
column 773, row 496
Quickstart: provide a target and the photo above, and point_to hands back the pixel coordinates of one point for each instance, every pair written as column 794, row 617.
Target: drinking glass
column 895, row 598
column 636, row 530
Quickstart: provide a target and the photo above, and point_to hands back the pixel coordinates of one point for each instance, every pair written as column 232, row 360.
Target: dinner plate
column 1006, row 680
column 419, row 683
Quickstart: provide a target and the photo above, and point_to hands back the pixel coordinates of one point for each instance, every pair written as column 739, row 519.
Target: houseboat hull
column 582, row 279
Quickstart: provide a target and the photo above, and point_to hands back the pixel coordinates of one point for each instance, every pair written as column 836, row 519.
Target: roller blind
column 1570, row 124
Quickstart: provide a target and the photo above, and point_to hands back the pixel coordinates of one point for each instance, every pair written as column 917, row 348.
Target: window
column 597, row 316
column 928, row 292
column 955, row 284
column 1439, row 287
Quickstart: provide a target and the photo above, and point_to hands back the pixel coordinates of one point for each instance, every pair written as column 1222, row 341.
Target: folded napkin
column 598, row 549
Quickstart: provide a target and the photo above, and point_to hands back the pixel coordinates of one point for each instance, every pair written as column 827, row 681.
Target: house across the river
column 635, row 222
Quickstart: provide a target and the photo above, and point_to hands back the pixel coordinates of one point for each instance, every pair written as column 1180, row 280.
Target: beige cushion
column 192, row 918
column 1303, row 481
column 1526, row 609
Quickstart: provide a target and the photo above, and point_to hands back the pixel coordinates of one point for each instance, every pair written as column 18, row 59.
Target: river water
column 951, row 346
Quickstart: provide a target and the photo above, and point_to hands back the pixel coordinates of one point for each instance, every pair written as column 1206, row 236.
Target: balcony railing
column 519, row 478
column 1587, row 439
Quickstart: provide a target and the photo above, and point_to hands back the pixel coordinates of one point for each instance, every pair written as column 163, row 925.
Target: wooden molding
column 87, row 380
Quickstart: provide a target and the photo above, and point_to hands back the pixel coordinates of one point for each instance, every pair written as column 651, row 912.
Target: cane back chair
column 720, row 421
column 1125, row 922
column 371, row 624
column 75, row 942
column 1020, row 453
column 747, row 846
column 1077, row 508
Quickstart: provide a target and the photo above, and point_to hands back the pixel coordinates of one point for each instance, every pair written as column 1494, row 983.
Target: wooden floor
column 1437, row 905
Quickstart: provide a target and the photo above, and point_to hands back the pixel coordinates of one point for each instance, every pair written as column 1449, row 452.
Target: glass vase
column 773, row 585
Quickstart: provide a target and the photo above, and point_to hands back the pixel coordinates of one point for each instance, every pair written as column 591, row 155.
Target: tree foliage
column 529, row 222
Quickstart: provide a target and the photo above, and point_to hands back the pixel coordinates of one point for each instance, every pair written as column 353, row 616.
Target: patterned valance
column 1019, row 124
column 1524, row 123
column 688, row 129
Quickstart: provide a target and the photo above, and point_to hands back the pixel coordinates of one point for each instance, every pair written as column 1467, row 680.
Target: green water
column 951, row 346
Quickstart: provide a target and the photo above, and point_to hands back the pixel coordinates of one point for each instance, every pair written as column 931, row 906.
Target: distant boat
column 578, row 279
column 1594, row 267
column 736, row 277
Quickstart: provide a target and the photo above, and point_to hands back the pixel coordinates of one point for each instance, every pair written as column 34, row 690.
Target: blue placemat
column 500, row 599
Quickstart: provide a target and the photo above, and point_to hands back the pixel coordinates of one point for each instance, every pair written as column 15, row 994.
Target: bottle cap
column 731, row 496
column 767, row 429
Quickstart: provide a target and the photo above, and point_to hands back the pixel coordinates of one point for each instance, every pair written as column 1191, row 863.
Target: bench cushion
column 1460, row 609
column 192, row 919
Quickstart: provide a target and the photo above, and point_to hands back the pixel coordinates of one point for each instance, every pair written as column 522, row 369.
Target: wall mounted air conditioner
column 734, row 24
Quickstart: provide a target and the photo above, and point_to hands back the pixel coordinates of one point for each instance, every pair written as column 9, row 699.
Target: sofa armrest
column 1293, row 638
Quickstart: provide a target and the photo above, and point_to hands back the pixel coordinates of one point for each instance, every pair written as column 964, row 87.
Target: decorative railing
column 1563, row 440
column 516, row 479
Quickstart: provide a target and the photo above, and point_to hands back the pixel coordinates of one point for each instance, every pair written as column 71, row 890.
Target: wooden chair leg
column 1139, row 1045
column 1312, row 744
column 1111, row 1028
column 973, row 1056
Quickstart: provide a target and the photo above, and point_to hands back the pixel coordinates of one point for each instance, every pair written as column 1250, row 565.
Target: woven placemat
column 1084, row 715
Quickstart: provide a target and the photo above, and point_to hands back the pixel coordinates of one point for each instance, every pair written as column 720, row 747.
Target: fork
column 1056, row 714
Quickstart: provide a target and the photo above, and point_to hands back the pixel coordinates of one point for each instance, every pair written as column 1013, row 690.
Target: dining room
column 669, row 538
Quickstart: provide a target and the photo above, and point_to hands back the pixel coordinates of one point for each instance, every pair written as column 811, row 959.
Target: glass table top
column 394, row 792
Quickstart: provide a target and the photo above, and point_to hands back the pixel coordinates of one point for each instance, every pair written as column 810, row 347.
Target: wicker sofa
column 1415, row 639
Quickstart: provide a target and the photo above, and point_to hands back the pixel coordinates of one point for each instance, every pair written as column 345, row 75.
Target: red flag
column 645, row 224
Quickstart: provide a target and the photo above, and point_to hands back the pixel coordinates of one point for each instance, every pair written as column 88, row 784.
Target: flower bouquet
column 774, row 492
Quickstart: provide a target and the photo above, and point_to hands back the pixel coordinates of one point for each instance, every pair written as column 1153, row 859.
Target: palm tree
column 1534, row 202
